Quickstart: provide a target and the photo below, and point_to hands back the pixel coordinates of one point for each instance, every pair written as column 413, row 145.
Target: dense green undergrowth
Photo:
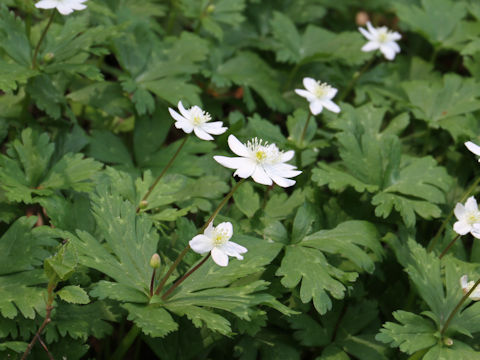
column 348, row 263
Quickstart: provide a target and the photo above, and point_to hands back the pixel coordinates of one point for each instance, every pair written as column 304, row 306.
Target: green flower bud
column 155, row 261
column 448, row 341
column 143, row 204
column 210, row 8
column 48, row 57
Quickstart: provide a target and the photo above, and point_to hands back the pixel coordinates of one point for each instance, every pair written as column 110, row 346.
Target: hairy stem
column 355, row 78
column 182, row 279
column 457, row 308
column 447, row 219
column 184, row 252
column 37, row 48
column 170, row 162
column 48, row 319
column 152, row 282
column 449, row 246
column 126, row 342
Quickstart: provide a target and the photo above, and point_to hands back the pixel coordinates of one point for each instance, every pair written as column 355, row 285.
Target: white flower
column 381, row 38
column 262, row 161
column 216, row 241
column 319, row 95
column 64, row 7
column 474, row 148
column 467, row 216
column 467, row 286
column 197, row 120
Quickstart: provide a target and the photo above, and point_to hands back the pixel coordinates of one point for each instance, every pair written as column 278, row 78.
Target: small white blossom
column 264, row 162
column 319, row 95
column 467, row 286
column 196, row 120
column 467, row 215
column 64, row 7
column 381, row 38
column 216, row 241
column 474, row 148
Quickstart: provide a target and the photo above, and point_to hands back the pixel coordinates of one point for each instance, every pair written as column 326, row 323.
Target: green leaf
column 287, row 37
column 72, row 172
column 73, row 294
column 154, row 321
column 247, row 200
column 13, row 37
column 107, row 147
column 303, row 222
column 414, row 332
column 249, row 70
column 12, row 75
column 47, row 94
column 435, row 20
column 62, row 265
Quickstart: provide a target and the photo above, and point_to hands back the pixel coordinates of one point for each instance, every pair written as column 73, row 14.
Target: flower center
column 382, row 37
column 198, row 116
column 473, row 218
column 220, row 237
column 321, row 90
column 263, row 152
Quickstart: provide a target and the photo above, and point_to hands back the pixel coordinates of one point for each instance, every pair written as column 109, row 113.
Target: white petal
column 474, row 148
column 219, row 257
column 388, row 52
column 64, row 9
column 226, row 227
column 201, row 133
column 365, row 33
column 214, row 128
column 459, row 211
column 395, row 36
column 78, row 6
column 237, row 147
column 462, row 227
column 370, row 46
column 306, row 94
column 464, row 282
column 371, row 29
column 282, row 182
column 184, row 112
column 209, row 231
column 185, row 126
column 261, row 177
column 246, row 168
column 177, row 116
column 201, row 244
column 330, row 105
column 394, row 46
column 475, row 232
column 46, row 4
column 310, row 84
column 233, row 249
column 331, row 93
column 316, row 107
column 287, row 156
column 239, row 163
column 471, row 205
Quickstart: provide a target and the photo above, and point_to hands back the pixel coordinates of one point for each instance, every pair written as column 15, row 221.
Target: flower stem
column 182, row 279
column 127, row 341
column 48, row 319
column 184, row 251
column 152, row 282
column 449, row 246
column 37, row 48
column 447, row 219
column 457, row 308
column 170, row 162
column 305, row 128
column 355, row 78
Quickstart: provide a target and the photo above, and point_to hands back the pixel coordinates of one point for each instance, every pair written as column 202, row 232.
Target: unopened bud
column 210, row 8
column 155, row 261
column 143, row 204
column 448, row 341
column 48, row 57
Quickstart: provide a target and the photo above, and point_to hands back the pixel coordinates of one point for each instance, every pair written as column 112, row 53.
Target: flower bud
column 448, row 341
column 143, row 204
column 48, row 57
column 210, row 8
column 155, row 261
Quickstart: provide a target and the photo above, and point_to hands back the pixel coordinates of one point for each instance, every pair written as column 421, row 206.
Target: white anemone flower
column 467, row 286
column 467, row 215
column 64, row 7
column 319, row 95
column 216, row 241
column 381, row 38
column 196, row 120
column 474, row 148
column 264, row 162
